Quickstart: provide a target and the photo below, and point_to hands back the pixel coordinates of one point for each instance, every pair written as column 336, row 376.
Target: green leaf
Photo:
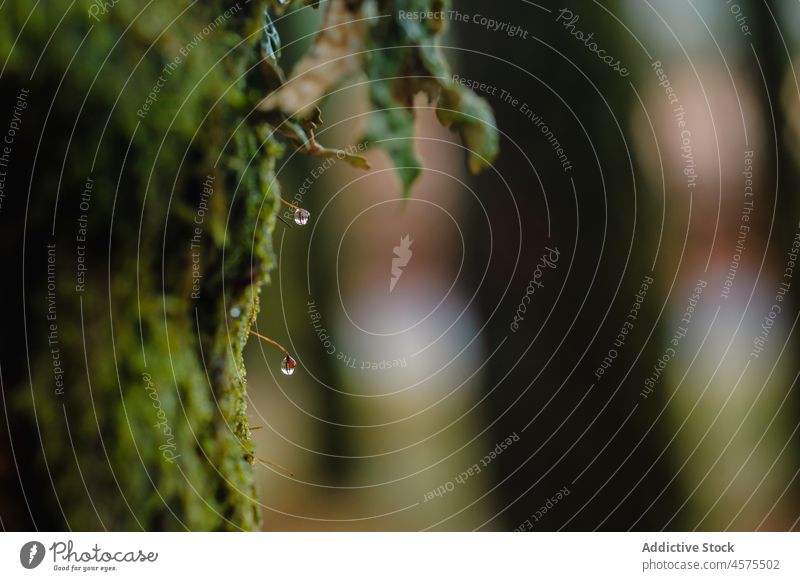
column 391, row 127
column 402, row 60
column 462, row 110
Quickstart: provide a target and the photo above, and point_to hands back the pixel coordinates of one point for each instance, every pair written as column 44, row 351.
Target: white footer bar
column 402, row 556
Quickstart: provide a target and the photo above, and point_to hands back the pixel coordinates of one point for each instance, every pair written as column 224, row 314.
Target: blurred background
column 598, row 332
column 633, row 380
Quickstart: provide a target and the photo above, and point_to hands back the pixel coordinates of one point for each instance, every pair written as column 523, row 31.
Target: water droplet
column 288, row 364
column 235, row 312
column 301, row 216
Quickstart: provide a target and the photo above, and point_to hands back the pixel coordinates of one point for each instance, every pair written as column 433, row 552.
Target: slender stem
column 268, row 340
column 288, row 204
column 274, row 465
column 313, row 146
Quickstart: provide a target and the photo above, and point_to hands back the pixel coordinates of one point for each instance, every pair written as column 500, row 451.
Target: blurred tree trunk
column 586, row 436
column 780, row 65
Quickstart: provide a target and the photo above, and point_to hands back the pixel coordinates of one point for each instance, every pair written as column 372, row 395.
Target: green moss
column 172, row 451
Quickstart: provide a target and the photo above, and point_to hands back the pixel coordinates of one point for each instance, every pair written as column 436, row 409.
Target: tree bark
column 144, row 202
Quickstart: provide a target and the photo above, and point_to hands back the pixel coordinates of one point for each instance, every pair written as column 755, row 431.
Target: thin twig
column 289, row 204
column 268, row 340
column 274, row 465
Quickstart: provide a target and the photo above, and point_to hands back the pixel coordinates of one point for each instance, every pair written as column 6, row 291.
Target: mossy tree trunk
column 144, row 202
column 139, row 199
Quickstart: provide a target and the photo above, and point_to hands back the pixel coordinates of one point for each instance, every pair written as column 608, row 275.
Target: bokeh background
column 713, row 446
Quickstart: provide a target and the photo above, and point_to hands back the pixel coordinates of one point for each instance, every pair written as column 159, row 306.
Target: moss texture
column 149, row 429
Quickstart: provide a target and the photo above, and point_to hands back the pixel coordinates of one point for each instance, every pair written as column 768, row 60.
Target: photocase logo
column 31, row 554
column 402, row 254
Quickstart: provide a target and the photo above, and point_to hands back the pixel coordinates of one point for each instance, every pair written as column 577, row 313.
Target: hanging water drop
column 235, row 312
column 288, row 364
column 301, row 216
